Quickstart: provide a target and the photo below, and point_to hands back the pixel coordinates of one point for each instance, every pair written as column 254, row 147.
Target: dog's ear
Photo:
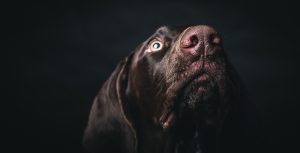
column 109, row 129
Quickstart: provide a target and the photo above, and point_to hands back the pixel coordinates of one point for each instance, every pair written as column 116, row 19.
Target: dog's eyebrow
column 161, row 32
column 158, row 34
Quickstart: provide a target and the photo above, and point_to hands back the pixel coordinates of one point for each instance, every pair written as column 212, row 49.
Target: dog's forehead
column 169, row 31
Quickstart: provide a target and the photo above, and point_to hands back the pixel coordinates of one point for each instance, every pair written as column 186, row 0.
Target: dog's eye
column 155, row 46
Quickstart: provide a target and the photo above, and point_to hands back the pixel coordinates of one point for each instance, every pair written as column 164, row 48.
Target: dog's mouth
column 195, row 93
column 198, row 91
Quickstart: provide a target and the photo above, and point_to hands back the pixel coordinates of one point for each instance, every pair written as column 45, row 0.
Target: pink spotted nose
column 196, row 40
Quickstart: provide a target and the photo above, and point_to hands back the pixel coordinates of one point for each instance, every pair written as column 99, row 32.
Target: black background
column 60, row 52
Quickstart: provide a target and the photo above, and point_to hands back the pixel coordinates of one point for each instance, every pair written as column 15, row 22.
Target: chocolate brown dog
column 170, row 95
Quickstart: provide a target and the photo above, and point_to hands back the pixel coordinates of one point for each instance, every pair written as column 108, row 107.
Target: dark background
column 60, row 52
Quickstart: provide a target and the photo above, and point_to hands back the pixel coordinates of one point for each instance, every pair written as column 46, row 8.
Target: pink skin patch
column 167, row 120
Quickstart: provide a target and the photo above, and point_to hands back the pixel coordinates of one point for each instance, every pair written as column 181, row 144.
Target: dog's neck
column 192, row 140
column 200, row 140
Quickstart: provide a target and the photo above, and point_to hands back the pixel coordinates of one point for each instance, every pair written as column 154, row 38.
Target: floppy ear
column 108, row 129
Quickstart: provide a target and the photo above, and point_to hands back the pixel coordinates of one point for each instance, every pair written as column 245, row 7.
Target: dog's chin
column 199, row 91
column 198, row 99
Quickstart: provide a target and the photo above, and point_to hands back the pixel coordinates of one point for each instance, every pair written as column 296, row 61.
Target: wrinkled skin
column 174, row 100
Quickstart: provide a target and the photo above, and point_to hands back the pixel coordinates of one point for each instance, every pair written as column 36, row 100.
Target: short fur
column 145, row 87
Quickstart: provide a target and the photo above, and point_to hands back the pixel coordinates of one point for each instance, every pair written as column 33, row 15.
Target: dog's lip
column 201, row 82
column 202, row 78
column 167, row 119
column 198, row 77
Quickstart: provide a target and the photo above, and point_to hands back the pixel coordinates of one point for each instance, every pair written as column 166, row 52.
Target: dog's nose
column 197, row 39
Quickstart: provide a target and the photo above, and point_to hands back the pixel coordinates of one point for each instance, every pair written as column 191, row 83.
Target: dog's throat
column 198, row 141
column 192, row 145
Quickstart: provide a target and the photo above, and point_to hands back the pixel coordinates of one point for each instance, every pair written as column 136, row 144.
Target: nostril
column 189, row 42
column 194, row 40
column 215, row 39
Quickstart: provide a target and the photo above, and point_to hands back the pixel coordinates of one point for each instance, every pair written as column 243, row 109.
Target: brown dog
column 170, row 95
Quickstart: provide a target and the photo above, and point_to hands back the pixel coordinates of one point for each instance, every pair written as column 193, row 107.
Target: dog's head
column 181, row 74
column 169, row 95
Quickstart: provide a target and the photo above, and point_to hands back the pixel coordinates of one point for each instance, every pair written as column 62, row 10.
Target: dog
column 172, row 94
